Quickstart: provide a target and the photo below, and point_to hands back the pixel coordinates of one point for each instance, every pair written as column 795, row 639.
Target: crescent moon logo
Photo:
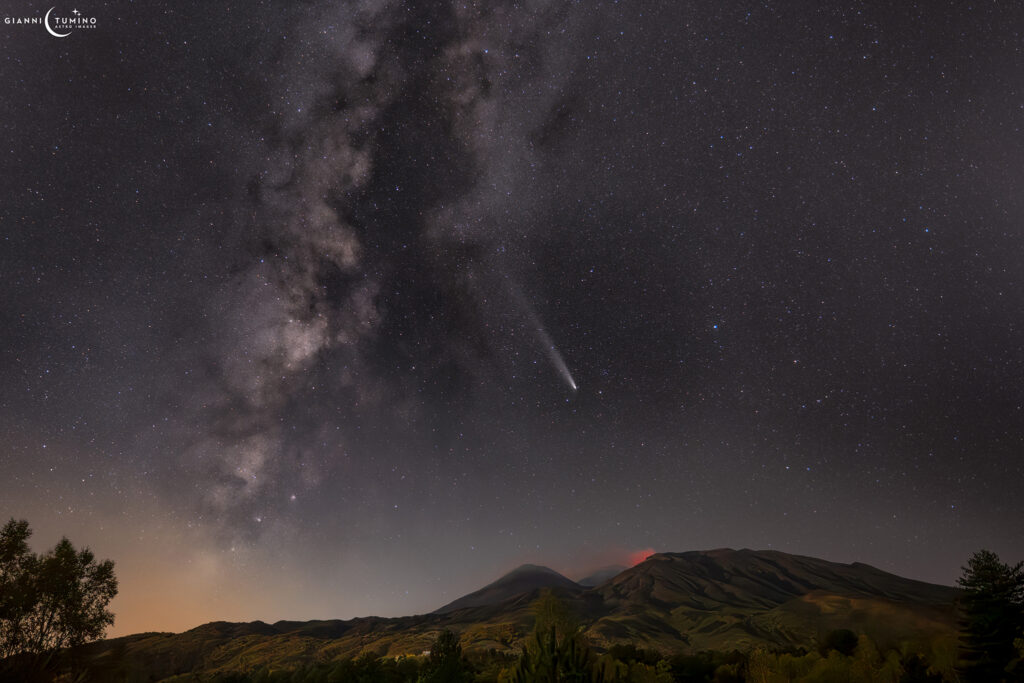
column 46, row 22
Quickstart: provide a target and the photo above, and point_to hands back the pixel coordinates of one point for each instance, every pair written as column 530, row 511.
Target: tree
column 843, row 640
column 992, row 618
column 915, row 670
column 16, row 593
column 446, row 663
column 760, row 665
column 558, row 652
column 50, row 601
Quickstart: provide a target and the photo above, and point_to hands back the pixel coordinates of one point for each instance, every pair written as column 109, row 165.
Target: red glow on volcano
column 638, row 556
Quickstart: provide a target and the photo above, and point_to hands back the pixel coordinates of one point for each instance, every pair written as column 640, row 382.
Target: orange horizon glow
column 638, row 556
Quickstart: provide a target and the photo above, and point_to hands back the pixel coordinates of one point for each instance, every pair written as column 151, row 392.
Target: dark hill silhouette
column 521, row 580
column 672, row 602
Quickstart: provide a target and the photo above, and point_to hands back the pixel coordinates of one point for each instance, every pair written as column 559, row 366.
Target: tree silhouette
column 843, row 641
column 16, row 592
column 446, row 663
column 49, row 601
column 557, row 651
column 992, row 618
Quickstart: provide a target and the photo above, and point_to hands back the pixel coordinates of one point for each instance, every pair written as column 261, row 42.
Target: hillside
column 672, row 602
column 601, row 575
column 724, row 599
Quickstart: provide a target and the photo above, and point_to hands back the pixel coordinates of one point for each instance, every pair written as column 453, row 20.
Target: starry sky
column 330, row 309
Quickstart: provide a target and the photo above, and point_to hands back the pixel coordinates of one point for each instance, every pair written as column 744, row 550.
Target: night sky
column 330, row 309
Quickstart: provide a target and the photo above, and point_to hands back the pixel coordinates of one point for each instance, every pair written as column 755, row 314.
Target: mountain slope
column 724, row 599
column 596, row 578
column 524, row 579
column 672, row 602
column 756, row 579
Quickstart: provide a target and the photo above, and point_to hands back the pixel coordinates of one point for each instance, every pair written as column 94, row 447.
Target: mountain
column 724, row 599
column 522, row 580
column 597, row 577
column 672, row 602
column 756, row 579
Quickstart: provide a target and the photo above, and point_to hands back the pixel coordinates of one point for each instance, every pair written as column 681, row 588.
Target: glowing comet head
column 559, row 363
column 549, row 344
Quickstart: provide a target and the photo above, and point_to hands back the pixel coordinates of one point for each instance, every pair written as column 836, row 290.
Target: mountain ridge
column 675, row 603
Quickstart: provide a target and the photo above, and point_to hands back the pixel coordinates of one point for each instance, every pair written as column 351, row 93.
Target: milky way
column 372, row 301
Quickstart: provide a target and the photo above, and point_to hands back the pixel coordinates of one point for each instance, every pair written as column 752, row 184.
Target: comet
column 557, row 361
column 553, row 354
